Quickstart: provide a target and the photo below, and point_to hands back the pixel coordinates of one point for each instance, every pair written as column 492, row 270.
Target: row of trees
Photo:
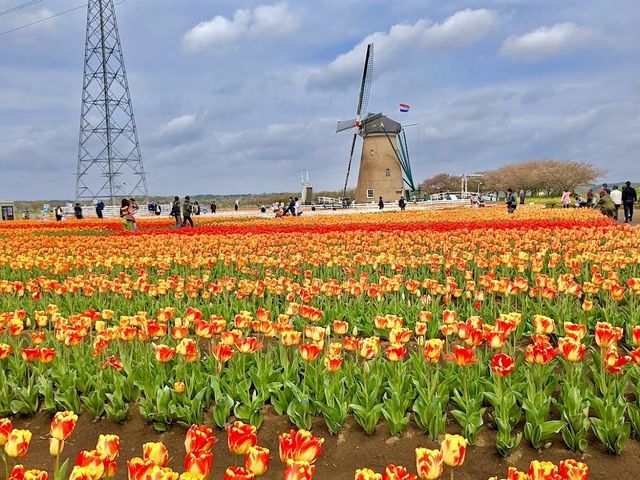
column 536, row 176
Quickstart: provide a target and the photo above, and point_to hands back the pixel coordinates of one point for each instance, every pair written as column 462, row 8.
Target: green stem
column 56, row 470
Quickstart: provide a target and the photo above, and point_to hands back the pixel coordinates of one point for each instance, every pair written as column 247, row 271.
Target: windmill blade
column 365, row 86
column 353, row 147
column 345, row 125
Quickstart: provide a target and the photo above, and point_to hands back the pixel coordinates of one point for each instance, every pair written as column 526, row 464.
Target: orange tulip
column 454, row 448
column 300, row 445
column 502, row 364
column 298, row 470
column 399, row 335
column 607, row 335
column 367, row 474
column 433, row 350
column 429, row 463
column 238, row 473
column 83, row 473
column 248, row 345
column 543, row 325
column 340, row 327
column 369, row 347
column 109, row 446
column 309, row 351
column 94, row 460
column 571, row 348
column 35, row 475
column 395, row 352
column 539, row 353
column 5, row 350
column 17, row 443
column 112, row 362
column 156, row 452
column 257, row 460
column 30, row 354
column 139, row 469
column 575, row 330
column 199, row 462
column 188, row 349
column 542, row 470
column 222, row 353
column 199, row 438
column 62, row 425
column 290, row 337
column 573, row 470
column 5, row 429
column 463, row 356
column 47, row 355
column 333, row 362
column 397, row 472
column 164, row 353
column 241, row 437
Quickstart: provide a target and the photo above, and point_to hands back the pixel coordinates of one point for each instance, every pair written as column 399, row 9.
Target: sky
column 237, row 96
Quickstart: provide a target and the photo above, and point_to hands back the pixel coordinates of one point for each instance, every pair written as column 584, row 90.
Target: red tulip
column 62, row 425
column 198, row 462
column 199, row 438
column 241, row 437
column 298, row 471
column 502, row 364
column 300, row 446
column 257, row 460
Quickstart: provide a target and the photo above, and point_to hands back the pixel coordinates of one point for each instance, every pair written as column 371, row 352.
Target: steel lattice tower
column 109, row 159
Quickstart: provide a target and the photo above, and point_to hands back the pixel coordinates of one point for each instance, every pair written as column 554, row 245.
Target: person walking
column 629, row 197
column 175, row 211
column 402, row 204
column 521, row 196
column 99, row 209
column 566, row 199
column 58, row 213
column 511, row 201
column 187, row 209
column 77, row 210
column 380, row 204
column 616, row 196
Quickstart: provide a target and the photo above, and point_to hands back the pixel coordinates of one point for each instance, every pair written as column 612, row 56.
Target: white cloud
column 457, row 31
column 263, row 21
column 546, row 42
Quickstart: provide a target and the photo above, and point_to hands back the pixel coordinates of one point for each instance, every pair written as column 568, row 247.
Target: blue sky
column 238, row 96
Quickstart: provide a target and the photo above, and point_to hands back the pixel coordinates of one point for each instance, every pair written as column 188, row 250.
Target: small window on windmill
column 370, row 193
column 387, row 173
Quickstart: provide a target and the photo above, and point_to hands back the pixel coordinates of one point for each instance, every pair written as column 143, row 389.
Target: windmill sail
column 363, row 103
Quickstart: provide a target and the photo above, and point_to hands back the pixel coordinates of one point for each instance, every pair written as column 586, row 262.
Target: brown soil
column 342, row 454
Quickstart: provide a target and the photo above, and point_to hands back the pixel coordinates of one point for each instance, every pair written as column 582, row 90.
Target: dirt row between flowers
column 342, row 455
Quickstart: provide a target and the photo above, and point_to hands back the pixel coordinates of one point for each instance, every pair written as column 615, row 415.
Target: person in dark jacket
column 175, row 212
column 187, row 209
column 401, row 203
column 381, row 204
column 78, row 211
column 99, row 209
column 214, row 207
column 521, row 195
column 511, row 201
column 629, row 197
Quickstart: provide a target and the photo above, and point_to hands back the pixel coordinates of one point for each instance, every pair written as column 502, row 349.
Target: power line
column 22, row 27
column 19, row 7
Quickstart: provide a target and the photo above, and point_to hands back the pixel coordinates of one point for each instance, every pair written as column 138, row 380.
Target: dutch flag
column 404, row 107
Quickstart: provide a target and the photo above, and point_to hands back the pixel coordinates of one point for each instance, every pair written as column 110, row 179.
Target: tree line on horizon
column 548, row 177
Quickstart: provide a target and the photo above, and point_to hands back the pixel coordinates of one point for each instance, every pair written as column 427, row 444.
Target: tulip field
column 464, row 343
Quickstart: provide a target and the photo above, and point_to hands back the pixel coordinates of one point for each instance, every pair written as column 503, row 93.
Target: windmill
column 384, row 167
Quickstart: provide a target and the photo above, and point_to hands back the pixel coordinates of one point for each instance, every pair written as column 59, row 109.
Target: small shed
column 7, row 210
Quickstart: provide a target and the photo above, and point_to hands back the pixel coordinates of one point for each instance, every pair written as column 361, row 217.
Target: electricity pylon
column 109, row 159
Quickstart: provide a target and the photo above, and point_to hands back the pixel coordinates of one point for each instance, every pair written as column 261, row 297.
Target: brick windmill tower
column 384, row 161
